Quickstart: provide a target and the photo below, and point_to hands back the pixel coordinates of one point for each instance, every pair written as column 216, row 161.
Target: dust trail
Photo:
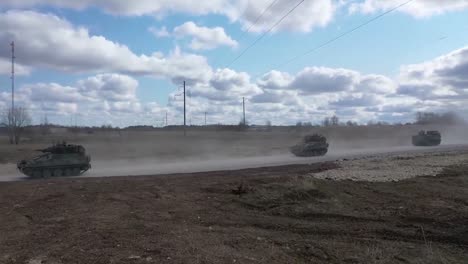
column 150, row 167
column 125, row 167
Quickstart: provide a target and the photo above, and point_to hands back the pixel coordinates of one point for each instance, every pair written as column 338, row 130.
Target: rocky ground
column 387, row 209
column 392, row 167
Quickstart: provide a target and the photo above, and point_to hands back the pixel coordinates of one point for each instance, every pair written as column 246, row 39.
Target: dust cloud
column 161, row 152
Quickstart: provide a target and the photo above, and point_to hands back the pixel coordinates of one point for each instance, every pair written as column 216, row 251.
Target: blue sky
column 408, row 36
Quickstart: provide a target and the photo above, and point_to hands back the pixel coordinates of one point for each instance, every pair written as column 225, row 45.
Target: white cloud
column 104, row 92
column 270, row 96
column 204, row 38
column 59, row 45
column 417, row 8
column 225, row 85
column 5, row 68
column 373, row 83
column 445, row 77
column 52, row 93
column 309, row 95
column 313, row 80
column 159, row 32
column 358, row 100
column 309, row 15
column 230, row 80
column 129, row 8
column 279, row 97
column 111, row 87
column 275, row 80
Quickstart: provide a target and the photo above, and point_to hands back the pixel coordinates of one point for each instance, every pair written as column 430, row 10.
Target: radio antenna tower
column 12, row 76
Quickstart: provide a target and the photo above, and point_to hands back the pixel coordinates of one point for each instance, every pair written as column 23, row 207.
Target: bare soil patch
column 266, row 215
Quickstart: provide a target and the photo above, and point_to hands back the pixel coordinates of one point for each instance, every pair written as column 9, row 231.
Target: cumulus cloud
column 312, row 80
column 59, row 45
column 373, row 83
column 224, row 85
column 159, row 32
column 358, row 100
column 309, row 95
column 204, row 38
column 311, row 14
column 417, row 8
column 52, row 93
column 104, row 93
column 111, row 87
column 230, row 80
column 324, row 80
column 269, row 97
column 275, row 80
column 5, row 68
column 443, row 77
column 129, row 8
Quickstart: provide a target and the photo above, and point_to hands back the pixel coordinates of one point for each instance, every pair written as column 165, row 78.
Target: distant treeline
column 421, row 118
column 449, row 118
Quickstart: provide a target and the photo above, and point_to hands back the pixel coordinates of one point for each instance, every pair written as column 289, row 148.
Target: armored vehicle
column 57, row 160
column 311, row 145
column 429, row 138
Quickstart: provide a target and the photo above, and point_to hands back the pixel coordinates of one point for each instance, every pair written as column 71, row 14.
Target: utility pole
column 243, row 110
column 185, row 128
column 166, row 118
column 11, row 120
column 12, row 75
column 205, row 118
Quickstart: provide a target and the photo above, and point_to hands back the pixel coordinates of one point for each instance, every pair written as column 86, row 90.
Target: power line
column 265, row 33
column 241, row 37
column 258, row 18
column 328, row 42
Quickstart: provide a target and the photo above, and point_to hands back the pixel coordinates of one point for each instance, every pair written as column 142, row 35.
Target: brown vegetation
column 15, row 120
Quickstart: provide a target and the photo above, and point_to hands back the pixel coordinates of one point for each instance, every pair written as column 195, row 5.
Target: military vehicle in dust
column 311, row 145
column 429, row 138
column 57, row 160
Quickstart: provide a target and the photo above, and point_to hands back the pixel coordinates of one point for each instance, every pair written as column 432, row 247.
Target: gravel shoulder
column 285, row 214
column 394, row 167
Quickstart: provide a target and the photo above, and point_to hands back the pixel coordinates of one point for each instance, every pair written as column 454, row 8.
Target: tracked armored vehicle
column 311, row 145
column 56, row 161
column 429, row 138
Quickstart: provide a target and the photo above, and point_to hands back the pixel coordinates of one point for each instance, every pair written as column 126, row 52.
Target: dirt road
column 286, row 214
column 143, row 166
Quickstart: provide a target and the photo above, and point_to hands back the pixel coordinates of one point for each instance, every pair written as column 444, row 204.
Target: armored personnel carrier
column 429, row 138
column 311, row 145
column 58, row 160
